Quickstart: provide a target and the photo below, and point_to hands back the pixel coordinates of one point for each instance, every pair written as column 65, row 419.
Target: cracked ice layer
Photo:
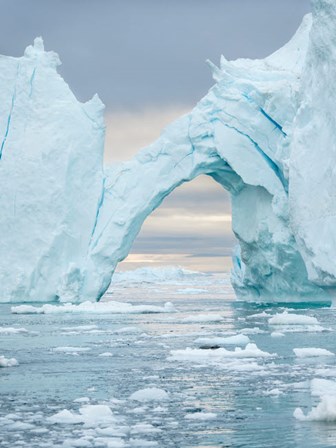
column 65, row 223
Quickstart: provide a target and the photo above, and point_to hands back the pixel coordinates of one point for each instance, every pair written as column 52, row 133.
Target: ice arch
column 65, row 222
column 238, row 134
column 225, row 152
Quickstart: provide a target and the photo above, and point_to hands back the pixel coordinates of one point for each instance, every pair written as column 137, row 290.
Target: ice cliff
column 264, row 131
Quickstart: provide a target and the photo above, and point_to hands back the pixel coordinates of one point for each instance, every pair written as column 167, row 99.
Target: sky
column 146, row 60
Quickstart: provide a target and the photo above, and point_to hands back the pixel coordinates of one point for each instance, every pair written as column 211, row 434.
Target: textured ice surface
column 51, row 151
column 264, row 132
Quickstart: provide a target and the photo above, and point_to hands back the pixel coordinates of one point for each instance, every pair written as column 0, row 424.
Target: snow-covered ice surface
column 126, row 379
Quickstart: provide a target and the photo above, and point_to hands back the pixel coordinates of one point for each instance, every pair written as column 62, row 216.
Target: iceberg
column 264, row 132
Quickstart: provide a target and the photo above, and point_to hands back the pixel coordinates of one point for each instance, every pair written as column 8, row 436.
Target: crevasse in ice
column 264, row 132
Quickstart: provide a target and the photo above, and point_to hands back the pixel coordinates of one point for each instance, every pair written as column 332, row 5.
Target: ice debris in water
column 12, row 330
column 286, row 318
column 295, row 323
column 311, row 352
column 325, row 411
column 211, row 342
column 200, row 355
column 150, row 394
column 7, row 362
column 201, row 416
column 71, row 349
column 95, row 308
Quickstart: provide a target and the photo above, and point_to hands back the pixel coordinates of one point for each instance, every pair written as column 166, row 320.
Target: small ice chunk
column 150, row 394
column 325, row 411
column 144, row 428
column 97, row 414
column 311, row 352
column 277, row 334
column 90, row 415
column 216, row 342
column 8, row 362
column 201, row 416
column 199, row 355
column 94, row 308
column 82, row 400
column 273, row 392
column 65, row 417
column 286, row 318
column 106, row 354
column 12, row 330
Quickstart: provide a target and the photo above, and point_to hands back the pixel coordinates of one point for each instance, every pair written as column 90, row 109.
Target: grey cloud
column 140, row 52
column 193, row 246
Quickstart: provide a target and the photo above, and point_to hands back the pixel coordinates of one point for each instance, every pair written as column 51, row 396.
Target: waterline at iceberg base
column 264, row 132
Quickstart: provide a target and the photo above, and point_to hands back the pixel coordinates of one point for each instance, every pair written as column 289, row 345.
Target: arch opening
column 191, row 228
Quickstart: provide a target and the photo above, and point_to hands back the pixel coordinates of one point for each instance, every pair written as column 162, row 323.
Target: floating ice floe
column 277, row 334
column 311, row 352
column 200, row 355
column 273, row 392
column 295, row 323
column 106, row 355
column 71, row 349
column 12, row 330
column 144, row 428
column 201, row 416
column 8, row 362
column 286, row 318
column 89, row 415
column 238, row 339
column 150, row 394
column 325, row 411
column 94, row 308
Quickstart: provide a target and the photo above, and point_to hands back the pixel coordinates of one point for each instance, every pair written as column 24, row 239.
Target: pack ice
column 264, row 131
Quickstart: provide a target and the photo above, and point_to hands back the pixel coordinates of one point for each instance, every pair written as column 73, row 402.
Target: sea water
column 176, row 376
